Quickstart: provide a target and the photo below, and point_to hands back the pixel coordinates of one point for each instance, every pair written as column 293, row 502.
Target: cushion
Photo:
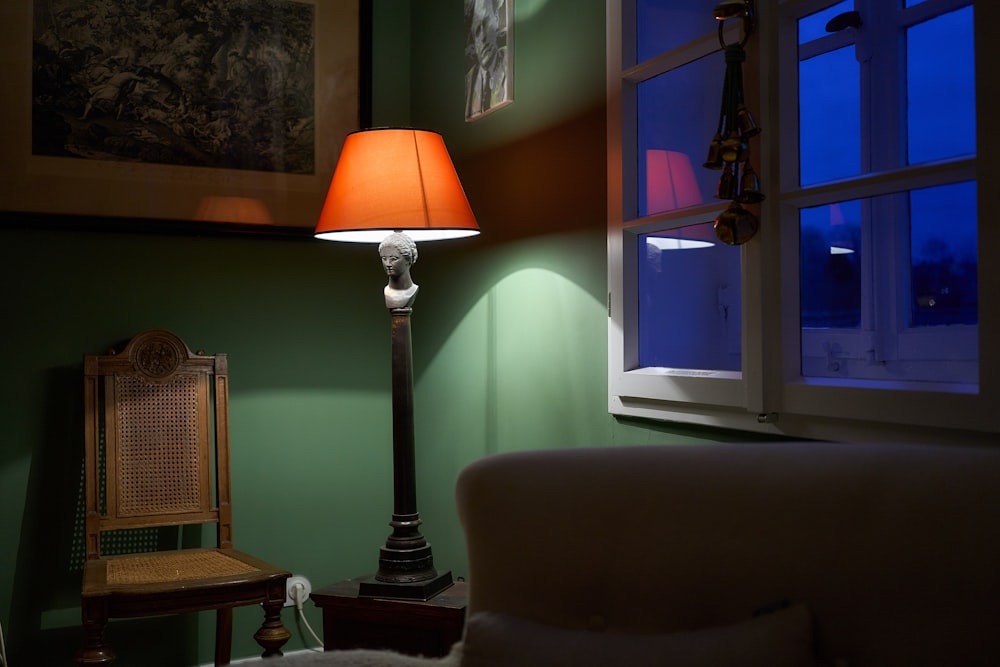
column 779, row 639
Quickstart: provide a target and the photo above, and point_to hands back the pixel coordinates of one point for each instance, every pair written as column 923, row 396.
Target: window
column 888, row 284
column 856, row 311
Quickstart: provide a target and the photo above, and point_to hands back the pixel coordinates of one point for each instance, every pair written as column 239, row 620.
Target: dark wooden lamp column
column 394, row 187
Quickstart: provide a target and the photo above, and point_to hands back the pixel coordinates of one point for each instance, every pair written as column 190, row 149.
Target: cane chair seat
column 158, row 568
column 157, row 456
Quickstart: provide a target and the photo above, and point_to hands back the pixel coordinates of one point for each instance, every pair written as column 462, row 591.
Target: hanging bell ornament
column 749, row 186
column 746, row 124
column 732, row 147
column 736, row 225
column 714, row 159
column 728, row 187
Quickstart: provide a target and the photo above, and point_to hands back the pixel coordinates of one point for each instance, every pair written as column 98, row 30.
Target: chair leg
column 95, row 619
column 273, row 634
column 223, row 635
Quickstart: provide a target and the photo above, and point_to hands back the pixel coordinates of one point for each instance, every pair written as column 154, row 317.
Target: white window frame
column 883, row 344
column 770, row 395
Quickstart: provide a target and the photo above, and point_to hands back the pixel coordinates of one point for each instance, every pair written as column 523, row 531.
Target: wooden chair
column 157, row 442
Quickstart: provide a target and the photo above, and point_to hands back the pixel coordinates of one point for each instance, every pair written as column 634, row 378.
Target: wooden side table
column 413, row 627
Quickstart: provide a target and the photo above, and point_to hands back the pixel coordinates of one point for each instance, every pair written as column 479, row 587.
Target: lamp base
column 372, row 587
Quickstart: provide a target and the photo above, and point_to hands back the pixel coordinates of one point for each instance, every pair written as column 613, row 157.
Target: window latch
column 844, row 21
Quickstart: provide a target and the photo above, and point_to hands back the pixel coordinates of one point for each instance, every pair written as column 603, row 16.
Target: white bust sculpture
column 398, row 253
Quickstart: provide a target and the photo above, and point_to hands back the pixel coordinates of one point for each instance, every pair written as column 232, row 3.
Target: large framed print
column 228, row 112
column 489, row 56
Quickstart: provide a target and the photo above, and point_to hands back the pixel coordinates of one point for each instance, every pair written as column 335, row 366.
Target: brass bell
column 728, row 187
column 745, row 123
column 749, row 186
column 714, row 159
column 735, row 225
column 732, row 147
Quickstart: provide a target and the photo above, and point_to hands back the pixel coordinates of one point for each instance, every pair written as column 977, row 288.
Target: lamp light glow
column 242, row 210
column 665, row 243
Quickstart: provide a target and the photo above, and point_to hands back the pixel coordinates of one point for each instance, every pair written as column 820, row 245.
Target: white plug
column 297, row 590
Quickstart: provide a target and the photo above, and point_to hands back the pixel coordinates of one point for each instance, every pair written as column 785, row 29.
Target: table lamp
column 395, row 186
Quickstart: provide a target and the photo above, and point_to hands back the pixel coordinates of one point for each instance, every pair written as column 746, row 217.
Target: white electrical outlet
column 297, row 585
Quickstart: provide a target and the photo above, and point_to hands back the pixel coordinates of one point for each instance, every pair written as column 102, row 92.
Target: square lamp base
column 371, row 587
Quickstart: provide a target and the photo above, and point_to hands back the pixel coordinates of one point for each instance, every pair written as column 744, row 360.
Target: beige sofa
column 728, row 554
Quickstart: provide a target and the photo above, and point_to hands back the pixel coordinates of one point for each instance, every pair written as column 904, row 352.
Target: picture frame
column 489, row 56
column 231, row 121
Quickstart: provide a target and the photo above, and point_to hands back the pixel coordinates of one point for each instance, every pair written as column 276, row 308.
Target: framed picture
column 489, row 56
column 225, row 112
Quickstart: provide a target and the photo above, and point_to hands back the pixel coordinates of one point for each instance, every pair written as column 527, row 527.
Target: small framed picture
column 489, row 56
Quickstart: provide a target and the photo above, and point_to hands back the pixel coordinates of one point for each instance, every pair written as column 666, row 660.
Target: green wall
column 509, row 340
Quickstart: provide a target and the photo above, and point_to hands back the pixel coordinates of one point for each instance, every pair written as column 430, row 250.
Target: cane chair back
column 157, row 455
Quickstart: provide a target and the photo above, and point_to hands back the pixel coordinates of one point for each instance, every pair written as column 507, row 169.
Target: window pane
column 912, row 321
column 814, row 26
column 941, row 95
column 662, row 25
column 689, row 300
column 943, row 255
column 674, row 133
column 830, row 265
column 829, row 117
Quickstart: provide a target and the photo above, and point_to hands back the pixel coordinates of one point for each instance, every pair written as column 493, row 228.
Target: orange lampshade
column 394, row 179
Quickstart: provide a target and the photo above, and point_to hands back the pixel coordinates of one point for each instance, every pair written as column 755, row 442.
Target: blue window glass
column 941, row 87
column 829, row 117
column 830, row 259
column 689, row 304
column 674, row 132
column 814, row 26
column 662, row 25
column 943, row 255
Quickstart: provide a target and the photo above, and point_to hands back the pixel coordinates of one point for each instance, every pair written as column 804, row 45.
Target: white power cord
column 299, row 595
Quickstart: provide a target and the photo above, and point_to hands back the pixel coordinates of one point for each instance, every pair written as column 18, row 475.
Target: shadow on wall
column 49, row 564
column 45, row 605
column 553, row 181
